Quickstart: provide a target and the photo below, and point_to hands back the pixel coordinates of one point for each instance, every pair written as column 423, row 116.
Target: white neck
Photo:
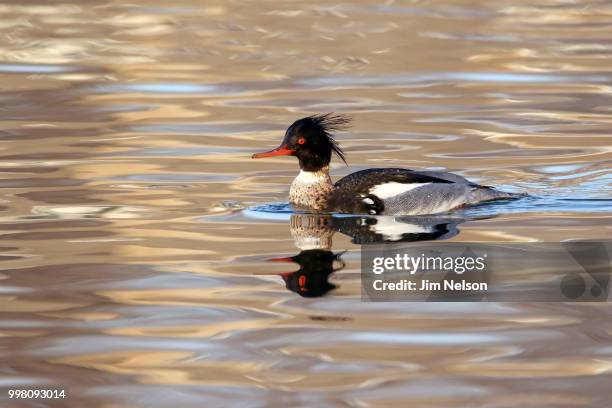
column 313, row 177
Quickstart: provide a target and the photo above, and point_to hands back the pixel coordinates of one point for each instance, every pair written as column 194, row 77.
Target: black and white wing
column 371, row 191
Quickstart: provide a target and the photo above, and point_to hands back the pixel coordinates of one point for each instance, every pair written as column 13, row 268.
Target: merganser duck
column 378, row 191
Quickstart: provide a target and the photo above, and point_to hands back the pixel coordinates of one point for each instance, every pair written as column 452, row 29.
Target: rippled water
column 133, row 276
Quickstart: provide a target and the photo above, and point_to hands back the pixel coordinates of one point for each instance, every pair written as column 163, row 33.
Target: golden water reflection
column 133, row 276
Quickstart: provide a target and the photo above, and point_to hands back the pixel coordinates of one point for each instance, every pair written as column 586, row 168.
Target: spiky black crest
column 329, row 124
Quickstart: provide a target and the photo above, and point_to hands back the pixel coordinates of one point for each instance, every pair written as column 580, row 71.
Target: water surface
column 132, row 275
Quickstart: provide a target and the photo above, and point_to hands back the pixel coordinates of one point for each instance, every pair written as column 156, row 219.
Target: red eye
column 301, row 140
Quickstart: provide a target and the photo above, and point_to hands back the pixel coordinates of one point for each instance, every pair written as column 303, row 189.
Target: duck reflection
column 312, row 234
column 365, row 230
column 312, row 279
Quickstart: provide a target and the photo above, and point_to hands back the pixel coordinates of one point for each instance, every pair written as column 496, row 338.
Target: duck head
column 311, row 140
